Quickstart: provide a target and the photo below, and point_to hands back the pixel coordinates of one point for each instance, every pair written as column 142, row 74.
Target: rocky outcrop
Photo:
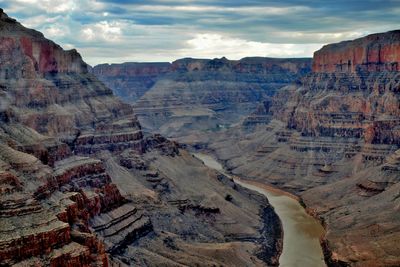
column 121, row 227
column 42, row 56
column 116, row 136
column 49, row 89
column 374, row 53
column 262, row 115
column 333, row 139
column 37, row 219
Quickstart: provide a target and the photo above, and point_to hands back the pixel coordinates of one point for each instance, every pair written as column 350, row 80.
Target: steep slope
column 81, row 186
column 130, row 81
column 333, row 140
column 193, row 95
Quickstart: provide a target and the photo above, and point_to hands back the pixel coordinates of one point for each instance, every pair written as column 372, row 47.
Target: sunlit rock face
column 40, row 56
column 334, row 140
column 374, row 53
column 80, row 184
column 191, row 95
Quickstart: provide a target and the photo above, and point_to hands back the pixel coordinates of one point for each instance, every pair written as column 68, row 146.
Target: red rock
column 9, row 183
column 34, row 244
column 375, row 52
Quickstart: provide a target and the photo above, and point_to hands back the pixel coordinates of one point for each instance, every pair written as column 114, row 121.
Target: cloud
column 103, row 31
column 164, row 30
column 210, row 45
column 49, row 6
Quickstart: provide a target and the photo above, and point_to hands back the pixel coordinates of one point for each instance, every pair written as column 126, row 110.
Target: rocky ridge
column 82, row 186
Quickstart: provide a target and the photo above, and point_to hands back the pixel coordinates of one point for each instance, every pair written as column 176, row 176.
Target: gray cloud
column 154, row 30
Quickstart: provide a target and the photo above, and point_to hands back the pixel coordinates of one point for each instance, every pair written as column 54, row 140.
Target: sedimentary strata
column 191, row 95
column 333, row 140
column 80, row 184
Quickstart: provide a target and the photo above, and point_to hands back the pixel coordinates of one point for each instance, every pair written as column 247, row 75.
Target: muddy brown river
column 301, row 247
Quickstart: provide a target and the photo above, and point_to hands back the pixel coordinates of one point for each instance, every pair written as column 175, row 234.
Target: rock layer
column 80, row 185
column 192, row 95
column 374, row 53
column 130, row 81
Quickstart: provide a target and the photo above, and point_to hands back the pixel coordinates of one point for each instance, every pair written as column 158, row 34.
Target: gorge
column 199, row 162
column 302, row 233
column 330, row 136
column 81, row 185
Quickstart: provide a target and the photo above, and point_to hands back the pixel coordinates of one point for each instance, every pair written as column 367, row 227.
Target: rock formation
column 374, row 53
column 334, row 140
column 191, row 95
column 80, row 185
column 130, row 81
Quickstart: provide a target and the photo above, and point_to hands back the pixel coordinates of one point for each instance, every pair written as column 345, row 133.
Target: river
column 301, row 247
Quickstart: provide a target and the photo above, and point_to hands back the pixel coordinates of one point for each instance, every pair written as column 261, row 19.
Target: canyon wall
column 81, row 185
column 332, row 139
column 331, row 136
column 191, row 95
column 376, row 52
column 130, row 81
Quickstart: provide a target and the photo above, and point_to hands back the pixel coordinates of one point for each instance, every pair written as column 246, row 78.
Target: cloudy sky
column 164, row 30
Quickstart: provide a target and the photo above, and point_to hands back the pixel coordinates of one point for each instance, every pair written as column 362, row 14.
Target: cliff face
column 362, row 106
column 48, row 194
column 360, row 100
column 374, row 53
column 334, row 140
column 41, row 56
column 80, row 185
column 49, row 89
column 130, row 81
column 192, row 95
column 281, row 68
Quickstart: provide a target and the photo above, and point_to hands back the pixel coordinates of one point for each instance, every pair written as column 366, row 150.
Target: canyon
column 332, row 140
column 83, row 185
column 330, row 136
column 302, row 232
column 98, row 165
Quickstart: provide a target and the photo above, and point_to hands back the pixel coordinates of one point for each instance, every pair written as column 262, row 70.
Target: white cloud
column 56, row 31
column 213, row 44
column 262, row 11
column 36, row 21
column 105, row 31
column 203, row 45
column 51, row 6
column 56, row 6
